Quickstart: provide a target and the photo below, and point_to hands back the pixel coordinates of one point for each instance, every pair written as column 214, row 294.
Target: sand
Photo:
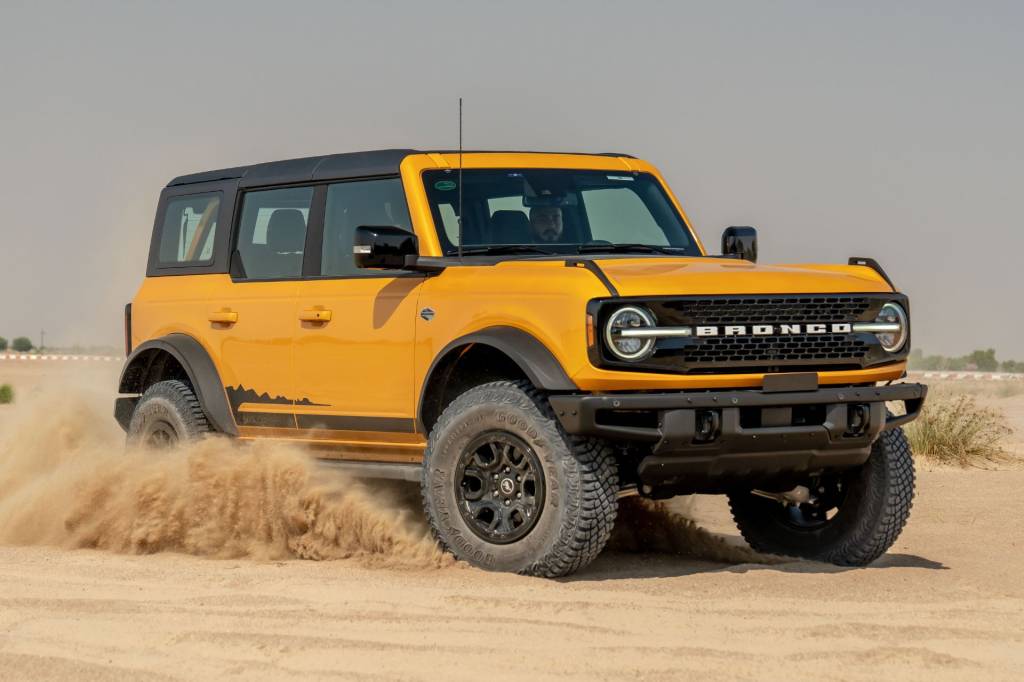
column 947, row 602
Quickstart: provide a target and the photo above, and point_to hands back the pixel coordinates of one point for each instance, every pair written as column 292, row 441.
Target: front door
column 252, row 314
column 353, row 354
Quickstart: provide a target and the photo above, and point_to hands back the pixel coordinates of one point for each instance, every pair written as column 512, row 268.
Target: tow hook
column 795, row 497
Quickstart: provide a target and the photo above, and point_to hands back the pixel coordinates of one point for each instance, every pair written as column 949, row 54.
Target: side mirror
column 383, row 246
column 740, row 242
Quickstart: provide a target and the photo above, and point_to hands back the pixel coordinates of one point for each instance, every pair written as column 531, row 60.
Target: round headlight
column 893, row 314
column 627, row 347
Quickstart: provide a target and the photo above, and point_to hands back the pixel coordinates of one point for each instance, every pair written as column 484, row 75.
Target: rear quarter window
column 187, row 236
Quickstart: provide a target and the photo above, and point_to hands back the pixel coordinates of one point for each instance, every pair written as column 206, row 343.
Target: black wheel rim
column 828, row 493
column 161, row 435
column 499, row 486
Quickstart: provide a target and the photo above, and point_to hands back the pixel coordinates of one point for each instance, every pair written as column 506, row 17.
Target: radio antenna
column 460, row 179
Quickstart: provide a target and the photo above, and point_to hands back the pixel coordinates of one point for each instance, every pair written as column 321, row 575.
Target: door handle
column 223, row 317
column 315, row 315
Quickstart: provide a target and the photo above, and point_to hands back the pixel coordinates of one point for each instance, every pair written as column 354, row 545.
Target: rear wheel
column 848, row 518
column 506, row 489
column 167, row 414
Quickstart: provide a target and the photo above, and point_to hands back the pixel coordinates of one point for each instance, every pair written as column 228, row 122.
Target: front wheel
column 847, row 518
column 507, row 489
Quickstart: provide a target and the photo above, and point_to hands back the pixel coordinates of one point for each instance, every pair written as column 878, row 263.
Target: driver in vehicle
column 546, row 223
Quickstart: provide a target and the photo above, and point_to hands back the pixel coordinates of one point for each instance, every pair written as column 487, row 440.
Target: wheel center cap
column 507, row 485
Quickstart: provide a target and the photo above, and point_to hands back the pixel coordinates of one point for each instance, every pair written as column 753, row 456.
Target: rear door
column 252, row 313
column 354, row 344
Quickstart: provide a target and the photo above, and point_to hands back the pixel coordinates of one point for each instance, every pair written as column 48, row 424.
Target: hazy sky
column 891, row 130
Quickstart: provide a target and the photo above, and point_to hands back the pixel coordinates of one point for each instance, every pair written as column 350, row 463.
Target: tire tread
column 185, row 402
column 597, row 470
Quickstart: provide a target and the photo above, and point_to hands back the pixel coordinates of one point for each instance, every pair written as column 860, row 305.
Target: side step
column 386, row 470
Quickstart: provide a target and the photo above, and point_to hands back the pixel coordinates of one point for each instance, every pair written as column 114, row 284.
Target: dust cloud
column 67, row 479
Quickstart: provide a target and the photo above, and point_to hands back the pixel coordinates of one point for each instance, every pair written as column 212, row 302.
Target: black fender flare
column 537, row 362
column 199, row 367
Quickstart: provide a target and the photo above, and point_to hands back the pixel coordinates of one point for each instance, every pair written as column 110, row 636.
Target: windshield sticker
column 445, row 185
column 620, row 177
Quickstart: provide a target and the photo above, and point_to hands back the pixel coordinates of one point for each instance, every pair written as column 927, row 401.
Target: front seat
column 510, row 227
column 286, row 240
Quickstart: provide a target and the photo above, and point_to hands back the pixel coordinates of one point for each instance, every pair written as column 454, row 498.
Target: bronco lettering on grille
column 770, row 329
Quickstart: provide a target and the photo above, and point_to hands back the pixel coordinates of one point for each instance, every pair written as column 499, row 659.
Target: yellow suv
column 531, row 336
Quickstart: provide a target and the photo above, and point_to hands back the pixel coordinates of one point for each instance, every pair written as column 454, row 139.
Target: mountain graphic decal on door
column 245, row 404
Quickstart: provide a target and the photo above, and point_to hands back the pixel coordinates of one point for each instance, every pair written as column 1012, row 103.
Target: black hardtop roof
column 329, row 167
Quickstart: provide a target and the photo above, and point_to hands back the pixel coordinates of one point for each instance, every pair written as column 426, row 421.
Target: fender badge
column 427, row 314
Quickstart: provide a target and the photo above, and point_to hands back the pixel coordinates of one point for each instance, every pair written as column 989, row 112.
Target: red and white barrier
column 970, row 376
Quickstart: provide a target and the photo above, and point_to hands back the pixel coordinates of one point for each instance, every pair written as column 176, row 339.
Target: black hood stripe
column 593, row 267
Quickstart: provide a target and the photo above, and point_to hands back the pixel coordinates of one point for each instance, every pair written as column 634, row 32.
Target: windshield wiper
column 498, row 249
column 628, row 248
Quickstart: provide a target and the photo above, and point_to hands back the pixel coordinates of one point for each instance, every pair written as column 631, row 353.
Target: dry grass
column 954, row 429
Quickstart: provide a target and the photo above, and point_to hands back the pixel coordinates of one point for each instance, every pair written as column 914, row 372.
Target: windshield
column 556, row 212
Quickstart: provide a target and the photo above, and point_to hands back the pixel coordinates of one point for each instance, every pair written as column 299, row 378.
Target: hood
column 708, row 276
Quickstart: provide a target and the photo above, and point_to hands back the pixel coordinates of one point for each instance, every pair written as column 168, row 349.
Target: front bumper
column 704, row 441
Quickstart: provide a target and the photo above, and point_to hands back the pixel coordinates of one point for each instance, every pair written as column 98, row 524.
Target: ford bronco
column 530, row 336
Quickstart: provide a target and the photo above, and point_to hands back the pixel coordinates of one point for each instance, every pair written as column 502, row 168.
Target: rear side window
column 272, row 232
column 354, row 204
column 187, row 235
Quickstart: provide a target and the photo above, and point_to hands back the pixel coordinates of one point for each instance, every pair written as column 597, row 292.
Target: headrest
column 510, row 227
column 286, row 231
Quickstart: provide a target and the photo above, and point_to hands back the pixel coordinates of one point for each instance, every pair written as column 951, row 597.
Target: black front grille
column 777, row 309
column 746, row 351
column 774, row 349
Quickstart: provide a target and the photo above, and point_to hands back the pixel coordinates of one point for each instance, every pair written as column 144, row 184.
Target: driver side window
column 354, row 204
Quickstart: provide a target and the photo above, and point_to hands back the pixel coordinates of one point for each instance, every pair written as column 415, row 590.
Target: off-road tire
column 167, row 409
column 580, row 479
column 876, row 507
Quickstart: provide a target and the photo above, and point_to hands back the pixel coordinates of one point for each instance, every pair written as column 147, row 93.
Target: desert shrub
column 6, row 394
column 954, row 429
column 22, row 344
